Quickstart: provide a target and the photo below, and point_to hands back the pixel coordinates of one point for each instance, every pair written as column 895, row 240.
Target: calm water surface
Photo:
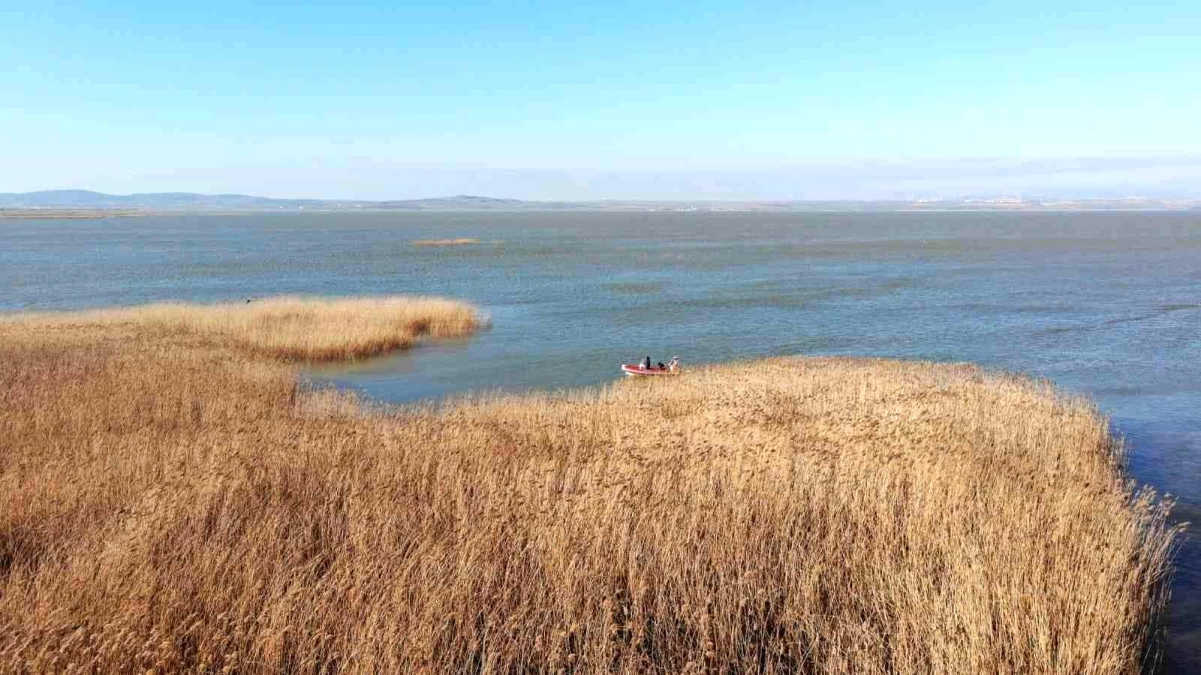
column 1107, row 304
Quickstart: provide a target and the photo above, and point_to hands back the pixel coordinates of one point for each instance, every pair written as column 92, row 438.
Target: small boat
column 640, row 370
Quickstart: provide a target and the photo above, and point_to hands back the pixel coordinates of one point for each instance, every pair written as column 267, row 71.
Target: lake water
column 1107, row 304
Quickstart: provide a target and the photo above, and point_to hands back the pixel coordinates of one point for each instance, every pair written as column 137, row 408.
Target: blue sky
column 561, row 100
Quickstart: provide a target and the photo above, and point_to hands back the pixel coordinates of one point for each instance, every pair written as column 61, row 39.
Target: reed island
column 176, row 499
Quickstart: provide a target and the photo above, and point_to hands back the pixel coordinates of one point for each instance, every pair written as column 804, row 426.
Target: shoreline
column 732, row 209
column 71, row 214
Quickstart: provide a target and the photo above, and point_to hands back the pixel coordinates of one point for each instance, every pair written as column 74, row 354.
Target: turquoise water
column 1107, row 304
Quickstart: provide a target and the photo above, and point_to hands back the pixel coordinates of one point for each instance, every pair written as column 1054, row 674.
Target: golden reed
column 175, row 501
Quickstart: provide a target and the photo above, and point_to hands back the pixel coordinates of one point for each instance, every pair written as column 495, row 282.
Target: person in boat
column 646, row 363
column 661, row 366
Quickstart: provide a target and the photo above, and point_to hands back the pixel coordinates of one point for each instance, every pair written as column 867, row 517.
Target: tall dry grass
column 286, row 328
column 179, row 504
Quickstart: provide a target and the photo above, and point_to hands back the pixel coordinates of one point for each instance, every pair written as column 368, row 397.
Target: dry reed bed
column 285, row 328
column 461, row 241
column 180, row 505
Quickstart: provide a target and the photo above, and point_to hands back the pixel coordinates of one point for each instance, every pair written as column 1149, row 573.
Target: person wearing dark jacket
column 646, row 364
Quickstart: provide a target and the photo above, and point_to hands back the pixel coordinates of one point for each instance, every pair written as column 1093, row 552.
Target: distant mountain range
column 86, row 200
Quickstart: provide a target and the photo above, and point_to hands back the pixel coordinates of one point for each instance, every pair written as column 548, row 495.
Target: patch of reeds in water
column 174, row 501
column 461, row 241
column 285, row 328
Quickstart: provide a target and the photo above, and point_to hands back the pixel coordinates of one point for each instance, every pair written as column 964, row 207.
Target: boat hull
column 639, row 371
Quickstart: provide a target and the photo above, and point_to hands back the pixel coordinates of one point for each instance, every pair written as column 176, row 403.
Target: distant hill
column 88, row 201
column 169, row 201
column 192, row 201
column 455, row 202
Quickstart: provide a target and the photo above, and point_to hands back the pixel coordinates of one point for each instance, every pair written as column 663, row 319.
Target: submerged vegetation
column 175, row 500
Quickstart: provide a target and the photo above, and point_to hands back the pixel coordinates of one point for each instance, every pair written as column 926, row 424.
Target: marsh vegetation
column 461, row 241
column 176, row 499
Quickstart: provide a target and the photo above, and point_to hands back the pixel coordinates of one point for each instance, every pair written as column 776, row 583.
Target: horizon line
column 1016, row 195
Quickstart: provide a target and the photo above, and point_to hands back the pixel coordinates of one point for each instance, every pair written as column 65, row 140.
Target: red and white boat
column 640, row 369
